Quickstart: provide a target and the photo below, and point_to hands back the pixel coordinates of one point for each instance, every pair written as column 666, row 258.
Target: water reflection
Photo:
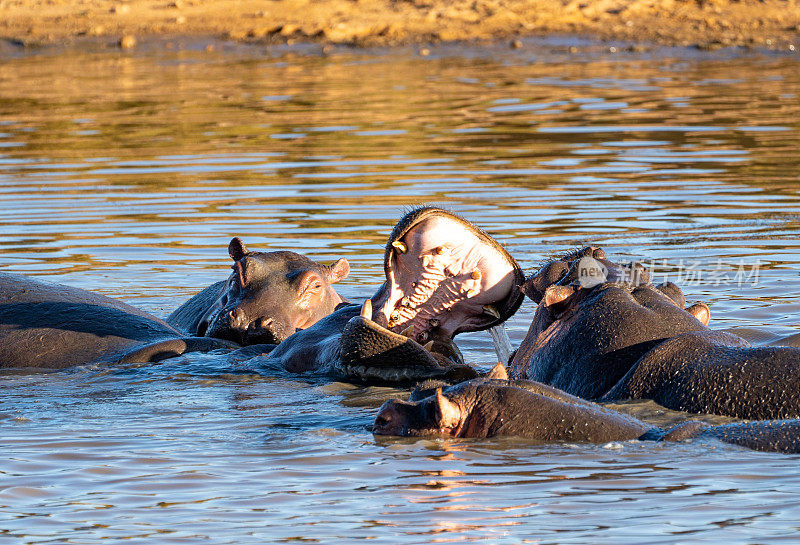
column 129, row 174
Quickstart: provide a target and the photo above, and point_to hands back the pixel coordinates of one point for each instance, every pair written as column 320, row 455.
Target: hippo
column 444, row 276
column 491, row 407
column 52, row 326
column 268, row 296
column 633, row 340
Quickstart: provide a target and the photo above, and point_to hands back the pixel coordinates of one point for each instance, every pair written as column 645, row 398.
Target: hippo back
column 49, row 325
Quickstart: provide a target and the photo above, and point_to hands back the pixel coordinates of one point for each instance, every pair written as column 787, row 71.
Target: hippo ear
column 446, row 413
column 673, row 292
column 310, row 288
column 498, row 372
column 701, row 312
column 339, row 270
column 236, row 249
column 557, row 294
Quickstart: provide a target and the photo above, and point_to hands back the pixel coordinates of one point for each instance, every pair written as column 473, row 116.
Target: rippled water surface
column 128, row 174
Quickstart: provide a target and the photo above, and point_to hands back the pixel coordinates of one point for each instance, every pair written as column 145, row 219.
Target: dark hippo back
column 53, row 326
column 587, row 343
column 717, row 373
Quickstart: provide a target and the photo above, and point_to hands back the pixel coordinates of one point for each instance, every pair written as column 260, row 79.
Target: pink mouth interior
column 441, row 276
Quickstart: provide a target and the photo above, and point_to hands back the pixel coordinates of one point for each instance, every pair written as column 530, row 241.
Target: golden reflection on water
column 128, row 174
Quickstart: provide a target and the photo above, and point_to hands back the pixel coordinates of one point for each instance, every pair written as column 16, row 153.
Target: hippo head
column 584, row 339
column 444, row 276
column 270, row 295
column 434, row 415
column 586, row 267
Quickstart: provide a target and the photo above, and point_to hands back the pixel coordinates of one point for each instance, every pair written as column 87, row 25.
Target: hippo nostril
column 599, row 253
column 235, row 317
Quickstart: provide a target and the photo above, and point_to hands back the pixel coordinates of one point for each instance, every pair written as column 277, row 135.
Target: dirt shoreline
column 707, row 24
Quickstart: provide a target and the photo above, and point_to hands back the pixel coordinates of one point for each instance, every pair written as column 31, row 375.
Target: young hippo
column 51, row 326
column 269, row 296
column 619, row 340
column 492, row 408
column 444, row 276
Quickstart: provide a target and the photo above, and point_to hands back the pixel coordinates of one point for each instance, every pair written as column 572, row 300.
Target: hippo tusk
column 491, row 311
column 407, row 332
column 366, row 309
column 502, row 344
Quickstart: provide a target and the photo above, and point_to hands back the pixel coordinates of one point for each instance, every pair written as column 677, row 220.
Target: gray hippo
column 444, row 276
column 623, row 340
column 268, row 296
column 489, row 407
column 47, row 325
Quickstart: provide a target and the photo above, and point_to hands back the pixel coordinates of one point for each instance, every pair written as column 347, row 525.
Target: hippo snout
column 265, row 331
column 391, row 419
column 234, row 325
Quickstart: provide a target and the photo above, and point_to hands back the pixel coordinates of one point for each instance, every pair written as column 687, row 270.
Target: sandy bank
column 774, row 24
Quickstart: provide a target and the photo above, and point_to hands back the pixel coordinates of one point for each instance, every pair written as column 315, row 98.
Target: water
column 128, row 174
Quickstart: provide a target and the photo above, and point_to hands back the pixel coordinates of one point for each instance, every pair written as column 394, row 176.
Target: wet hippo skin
column 492, row 408
column 444, row 276
column 52, row 326
column 268, row 296
column 620, row 340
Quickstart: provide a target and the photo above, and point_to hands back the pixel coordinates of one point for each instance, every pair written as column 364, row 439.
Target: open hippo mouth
column 444, row 276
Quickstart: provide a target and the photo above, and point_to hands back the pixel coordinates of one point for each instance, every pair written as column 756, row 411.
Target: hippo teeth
column 366, row 309
column 437, row 289
column 440, row 272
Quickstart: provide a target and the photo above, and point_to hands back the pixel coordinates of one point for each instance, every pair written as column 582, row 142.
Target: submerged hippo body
column 621, row 340
column 268, row 296
column 493, row 408
column 443, row 276
column 51, row 326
